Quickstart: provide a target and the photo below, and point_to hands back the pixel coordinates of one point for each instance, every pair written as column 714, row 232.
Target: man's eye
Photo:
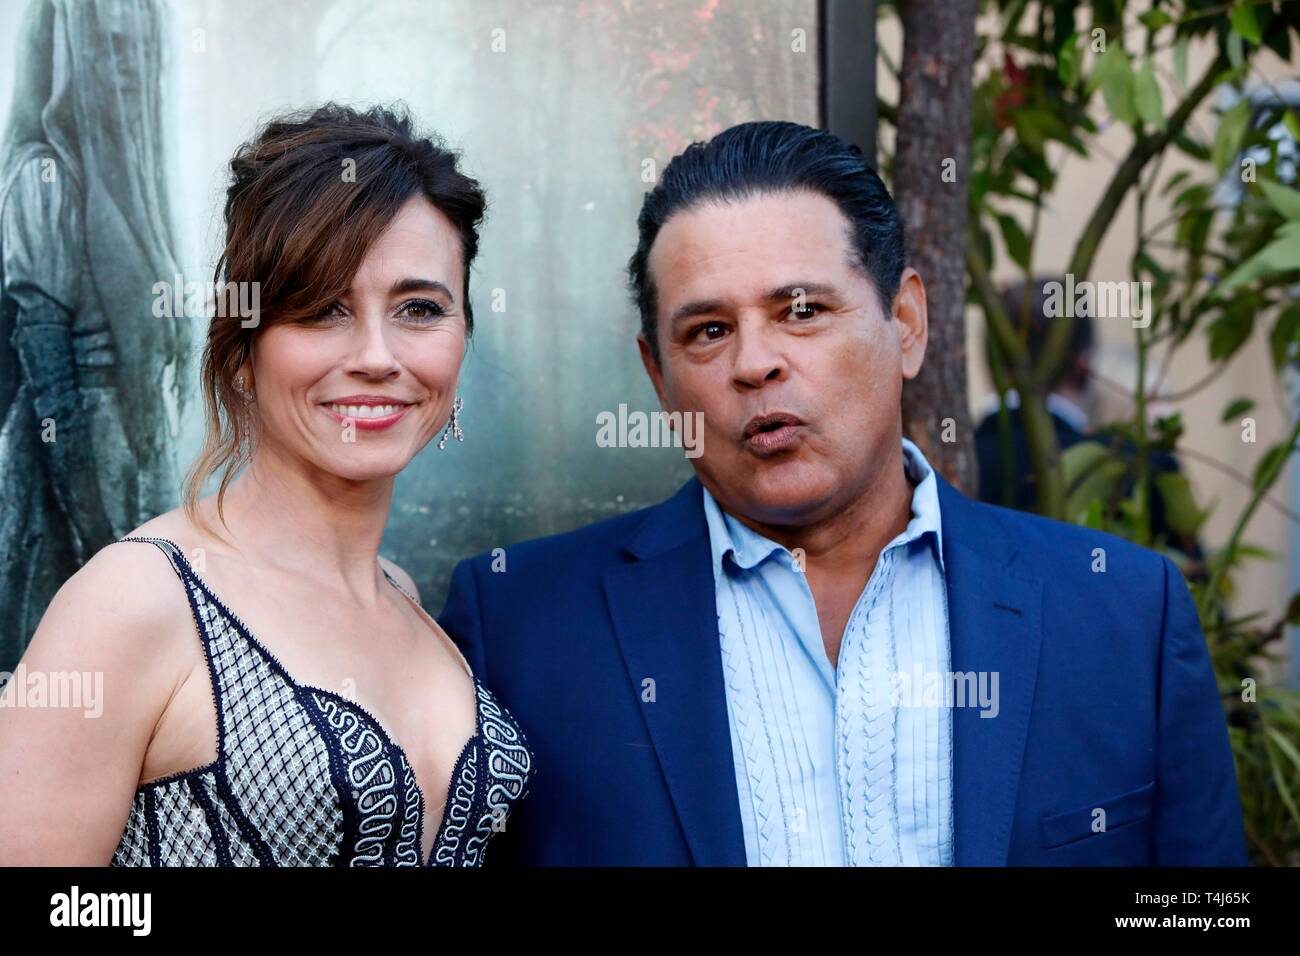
column 422, row 310
column 710, row 330
column 807, row 310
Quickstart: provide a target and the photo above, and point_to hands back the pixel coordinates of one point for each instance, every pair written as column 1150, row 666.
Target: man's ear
column 909, row 311
column 652, row 369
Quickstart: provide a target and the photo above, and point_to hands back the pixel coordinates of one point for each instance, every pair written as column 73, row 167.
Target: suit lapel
column 665, row 618
column 664, row 613
column 995, row 628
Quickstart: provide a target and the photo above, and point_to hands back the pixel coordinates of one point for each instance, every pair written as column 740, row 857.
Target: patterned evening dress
column 306, row 777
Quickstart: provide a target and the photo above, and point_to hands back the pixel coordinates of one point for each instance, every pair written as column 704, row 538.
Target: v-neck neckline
column 389, row 741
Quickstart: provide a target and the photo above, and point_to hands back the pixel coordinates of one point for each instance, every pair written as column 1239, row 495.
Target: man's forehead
column 707, row 253
column 800, row 229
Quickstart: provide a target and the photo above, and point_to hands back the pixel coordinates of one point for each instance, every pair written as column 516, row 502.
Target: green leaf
column 1175, row 181
column 1279, row 40
column 1025, row 41
column 1228, row 333
column 1191, row 147
column 1279, row 778
column 1180, row 506
column 1180, row 62
column 1293, row 610
column 1280, row 255
column 1236, row 51
column 1016, row 241
column 1170, row 428
column 1292, row 124
column 1282, row 198
column 1238, row 406
column 1069, row 60
column 1284, row 342
column 1096, row 517
column 985, row 244
column 1147, row 98
column 1272, row 462
column 1245, row 23
column 1091, row 473
column 1155, row 19
column 1194, row 228
column 1114, row 75
column 1193, row 197
column 1256, row 551
column 1227, row 139
column 1286, row 746
column 1081, row 459
column 1144, row 264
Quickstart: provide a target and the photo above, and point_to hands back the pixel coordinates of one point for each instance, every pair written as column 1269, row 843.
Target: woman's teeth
column 365, row 411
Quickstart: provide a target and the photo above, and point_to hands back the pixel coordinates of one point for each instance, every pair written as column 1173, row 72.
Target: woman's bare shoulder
column 174, row 526
column 127, row 589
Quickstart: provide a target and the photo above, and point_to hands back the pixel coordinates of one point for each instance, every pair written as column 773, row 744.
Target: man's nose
column 757, row 359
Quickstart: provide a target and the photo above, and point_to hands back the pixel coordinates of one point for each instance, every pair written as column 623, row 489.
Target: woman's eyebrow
column 420, row 285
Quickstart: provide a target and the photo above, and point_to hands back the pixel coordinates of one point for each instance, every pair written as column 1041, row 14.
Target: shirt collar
column 730, row 537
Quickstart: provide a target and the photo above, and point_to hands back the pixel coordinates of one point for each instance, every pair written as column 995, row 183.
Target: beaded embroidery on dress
column 306, row 777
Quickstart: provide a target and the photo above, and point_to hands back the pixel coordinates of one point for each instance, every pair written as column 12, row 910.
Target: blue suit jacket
column 1107, row 696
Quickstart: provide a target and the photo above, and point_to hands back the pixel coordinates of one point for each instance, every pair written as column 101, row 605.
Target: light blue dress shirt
column 844, row 766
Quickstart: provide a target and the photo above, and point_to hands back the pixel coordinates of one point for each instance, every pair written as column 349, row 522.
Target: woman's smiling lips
column 367, row 412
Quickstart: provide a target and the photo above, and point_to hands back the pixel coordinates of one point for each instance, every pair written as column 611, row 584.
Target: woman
column 322, row 717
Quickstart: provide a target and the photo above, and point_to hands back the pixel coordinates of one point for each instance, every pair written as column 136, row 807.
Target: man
column 1006, row 473
column 759, row 670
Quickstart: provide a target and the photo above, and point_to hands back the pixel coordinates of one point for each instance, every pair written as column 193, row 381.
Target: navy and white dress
column 306, row 777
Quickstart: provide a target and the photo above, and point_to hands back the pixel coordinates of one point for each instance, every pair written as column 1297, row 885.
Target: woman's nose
column 372, row 353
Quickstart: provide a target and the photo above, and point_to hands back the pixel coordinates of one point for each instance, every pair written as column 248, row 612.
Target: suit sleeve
column 462, row 621
column 1198, row 810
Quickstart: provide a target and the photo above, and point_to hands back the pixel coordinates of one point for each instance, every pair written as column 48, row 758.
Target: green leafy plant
column 1050, row 76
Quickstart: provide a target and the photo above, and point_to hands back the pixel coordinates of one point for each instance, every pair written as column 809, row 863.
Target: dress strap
column 207, row 616
column 168, row 548
column 212, row 630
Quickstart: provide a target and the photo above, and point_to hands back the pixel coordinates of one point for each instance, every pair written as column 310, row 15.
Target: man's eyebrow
column 782, row 293
column 792, row 290
column 699, row 307
column 420, row 285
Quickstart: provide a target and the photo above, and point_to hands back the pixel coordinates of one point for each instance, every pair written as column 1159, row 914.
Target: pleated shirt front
column 846, row 765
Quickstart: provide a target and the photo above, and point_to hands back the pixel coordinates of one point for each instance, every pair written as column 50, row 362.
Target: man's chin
column 786, row 496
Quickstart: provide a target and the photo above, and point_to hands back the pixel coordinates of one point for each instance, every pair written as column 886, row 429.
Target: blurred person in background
column 1006, row 474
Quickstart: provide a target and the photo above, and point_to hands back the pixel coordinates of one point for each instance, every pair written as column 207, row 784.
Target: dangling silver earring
column 245, row 442
column 453, row 425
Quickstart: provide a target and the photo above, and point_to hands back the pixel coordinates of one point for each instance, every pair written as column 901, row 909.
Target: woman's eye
column 422, row 310
column 329, row 314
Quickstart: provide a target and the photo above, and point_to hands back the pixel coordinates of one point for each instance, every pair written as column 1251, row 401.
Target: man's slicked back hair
column 772, row 157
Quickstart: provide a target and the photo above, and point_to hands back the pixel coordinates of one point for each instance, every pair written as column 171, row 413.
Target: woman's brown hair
column 308, row 196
